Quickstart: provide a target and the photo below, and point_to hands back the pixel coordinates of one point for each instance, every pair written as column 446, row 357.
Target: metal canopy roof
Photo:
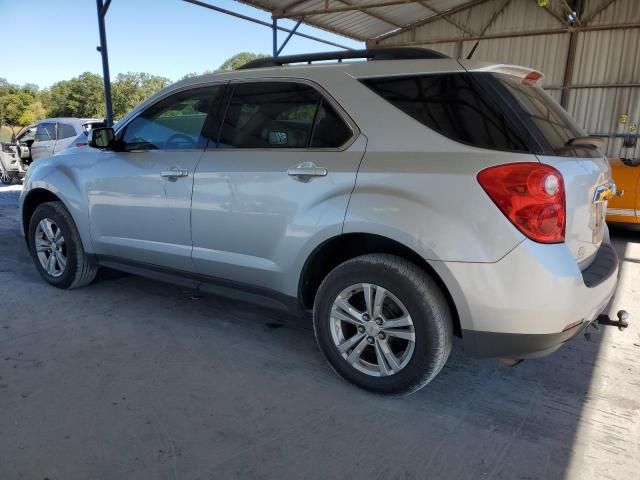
column 365, row 19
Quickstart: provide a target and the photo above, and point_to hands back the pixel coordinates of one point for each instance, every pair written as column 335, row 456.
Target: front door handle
column 174, row 172
column 307, row 170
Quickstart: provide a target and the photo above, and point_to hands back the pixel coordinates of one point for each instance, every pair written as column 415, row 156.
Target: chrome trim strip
column 621, row 212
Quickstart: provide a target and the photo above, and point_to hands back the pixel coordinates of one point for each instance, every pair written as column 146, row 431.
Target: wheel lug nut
column 382, row 336
column 360, row 329
column 365, row 317
column 370, row 340
column 379, row 321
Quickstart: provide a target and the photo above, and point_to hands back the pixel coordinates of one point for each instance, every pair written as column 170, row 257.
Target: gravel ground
column 130, row 378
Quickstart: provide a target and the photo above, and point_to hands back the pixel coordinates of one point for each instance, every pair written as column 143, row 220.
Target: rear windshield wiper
column 588, row 141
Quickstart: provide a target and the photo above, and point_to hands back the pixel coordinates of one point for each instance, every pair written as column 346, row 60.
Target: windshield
column 551, row 123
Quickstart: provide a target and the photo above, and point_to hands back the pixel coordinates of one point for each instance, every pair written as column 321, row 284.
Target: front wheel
column 5, row 177
column 56, row 248
column 383, row 324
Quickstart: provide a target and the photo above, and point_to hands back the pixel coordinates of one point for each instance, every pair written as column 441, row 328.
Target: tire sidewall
column 48, row 210
column 424, row 363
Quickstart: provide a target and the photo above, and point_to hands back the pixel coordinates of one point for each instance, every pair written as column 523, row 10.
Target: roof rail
column 396, row 53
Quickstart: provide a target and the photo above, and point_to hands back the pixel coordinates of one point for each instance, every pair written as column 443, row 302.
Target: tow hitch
column 603, row 319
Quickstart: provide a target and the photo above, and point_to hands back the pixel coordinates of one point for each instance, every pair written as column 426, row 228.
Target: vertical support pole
column 275, row 37
column 105, row 61
column 571, row 56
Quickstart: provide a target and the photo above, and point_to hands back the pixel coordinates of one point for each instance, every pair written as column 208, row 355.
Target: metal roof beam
column 426, row 21
column 530, row 33
column 554, row 14
column 377, row 16
column 265, row 24
column 287, row 13
column 598, row 11
column 445, row 17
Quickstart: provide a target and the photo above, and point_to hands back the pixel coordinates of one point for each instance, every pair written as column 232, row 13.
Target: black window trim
column 121, row 129
column 509, row 113
column 324, row 97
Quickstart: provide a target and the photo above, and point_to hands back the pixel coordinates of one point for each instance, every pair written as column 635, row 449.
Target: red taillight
column 531, row 195
column 81, row 144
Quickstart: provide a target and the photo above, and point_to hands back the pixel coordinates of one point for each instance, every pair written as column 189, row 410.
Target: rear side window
column 281, row 115
column 453, row 105
column 65, row 131
column 45, row 132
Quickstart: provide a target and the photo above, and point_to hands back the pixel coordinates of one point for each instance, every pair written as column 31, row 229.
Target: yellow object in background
column 625, row 209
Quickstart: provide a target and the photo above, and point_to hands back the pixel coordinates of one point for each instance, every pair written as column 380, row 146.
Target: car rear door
column 45, row 140
column 66, row 134
column 140, row 196
column 279, row 179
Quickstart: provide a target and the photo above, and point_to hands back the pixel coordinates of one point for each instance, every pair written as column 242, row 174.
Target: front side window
column 281, row 115
column 65, row 131
column 454, row 105
column 45, row 132
column 174, row 123
column 27, row 134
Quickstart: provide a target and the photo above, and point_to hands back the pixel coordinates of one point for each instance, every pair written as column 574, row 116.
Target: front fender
column 66, row 178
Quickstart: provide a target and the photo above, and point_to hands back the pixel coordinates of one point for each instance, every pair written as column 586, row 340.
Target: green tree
column 130, row 89
column 82, row 96
column 239, row 59
column 13, row 107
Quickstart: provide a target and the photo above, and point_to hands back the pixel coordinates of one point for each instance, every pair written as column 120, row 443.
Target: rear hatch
column 560, row 142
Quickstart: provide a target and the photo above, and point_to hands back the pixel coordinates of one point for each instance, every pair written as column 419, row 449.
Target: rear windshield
column 485, row 110
column 543, row 116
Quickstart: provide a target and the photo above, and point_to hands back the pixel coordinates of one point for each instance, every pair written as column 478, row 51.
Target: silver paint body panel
column 239, row 216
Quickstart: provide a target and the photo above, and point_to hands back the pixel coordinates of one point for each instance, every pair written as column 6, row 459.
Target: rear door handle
column 174, row 172
column 306, row 170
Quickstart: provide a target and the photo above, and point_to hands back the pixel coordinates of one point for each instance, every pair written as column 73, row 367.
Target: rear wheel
column 56, row 248
column 383, row 323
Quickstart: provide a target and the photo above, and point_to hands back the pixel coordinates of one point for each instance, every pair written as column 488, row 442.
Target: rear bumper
column 516, row 345
column 524, row 304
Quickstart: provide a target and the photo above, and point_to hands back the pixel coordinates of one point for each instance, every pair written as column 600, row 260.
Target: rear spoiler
column 526, row 73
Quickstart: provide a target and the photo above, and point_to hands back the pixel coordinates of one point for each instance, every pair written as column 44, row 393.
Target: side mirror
column 101, row 137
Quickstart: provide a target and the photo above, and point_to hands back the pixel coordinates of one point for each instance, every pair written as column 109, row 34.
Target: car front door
column 140, row 195
column 45, row 140
column 279, row 179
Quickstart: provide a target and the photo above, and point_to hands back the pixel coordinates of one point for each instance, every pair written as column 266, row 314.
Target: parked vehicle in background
column 402, row 201
column 625, row 208
column 82, row 140
column 51, row 135
column 11, row 168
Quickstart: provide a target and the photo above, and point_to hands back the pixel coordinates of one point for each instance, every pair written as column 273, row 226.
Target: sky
column 56, row 39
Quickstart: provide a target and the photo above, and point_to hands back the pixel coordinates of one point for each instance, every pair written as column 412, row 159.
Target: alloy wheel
column 50, row 247
column 372, row 330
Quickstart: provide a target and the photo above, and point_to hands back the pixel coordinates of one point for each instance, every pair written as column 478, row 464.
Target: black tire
column 6, row 178
column 81, row 268
column 422, row 298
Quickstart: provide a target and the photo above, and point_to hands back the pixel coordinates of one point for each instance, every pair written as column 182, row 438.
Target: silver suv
column 403, row 201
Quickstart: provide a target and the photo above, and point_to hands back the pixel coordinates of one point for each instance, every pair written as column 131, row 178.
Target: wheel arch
column 36, row 197
column 341, row 248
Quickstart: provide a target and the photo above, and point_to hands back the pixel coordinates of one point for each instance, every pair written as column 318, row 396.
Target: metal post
column 291, row 33
column 275, row 37
column 102, row 10
column 571, row 58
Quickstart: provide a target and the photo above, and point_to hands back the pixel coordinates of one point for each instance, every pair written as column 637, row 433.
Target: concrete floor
column 130, row 378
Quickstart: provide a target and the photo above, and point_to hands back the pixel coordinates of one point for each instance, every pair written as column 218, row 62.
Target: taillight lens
column 531, row 196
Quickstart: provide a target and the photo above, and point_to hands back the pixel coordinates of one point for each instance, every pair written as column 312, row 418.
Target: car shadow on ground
column 174, row 382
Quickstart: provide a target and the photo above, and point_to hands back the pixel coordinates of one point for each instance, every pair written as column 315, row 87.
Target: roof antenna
column 473, row 50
